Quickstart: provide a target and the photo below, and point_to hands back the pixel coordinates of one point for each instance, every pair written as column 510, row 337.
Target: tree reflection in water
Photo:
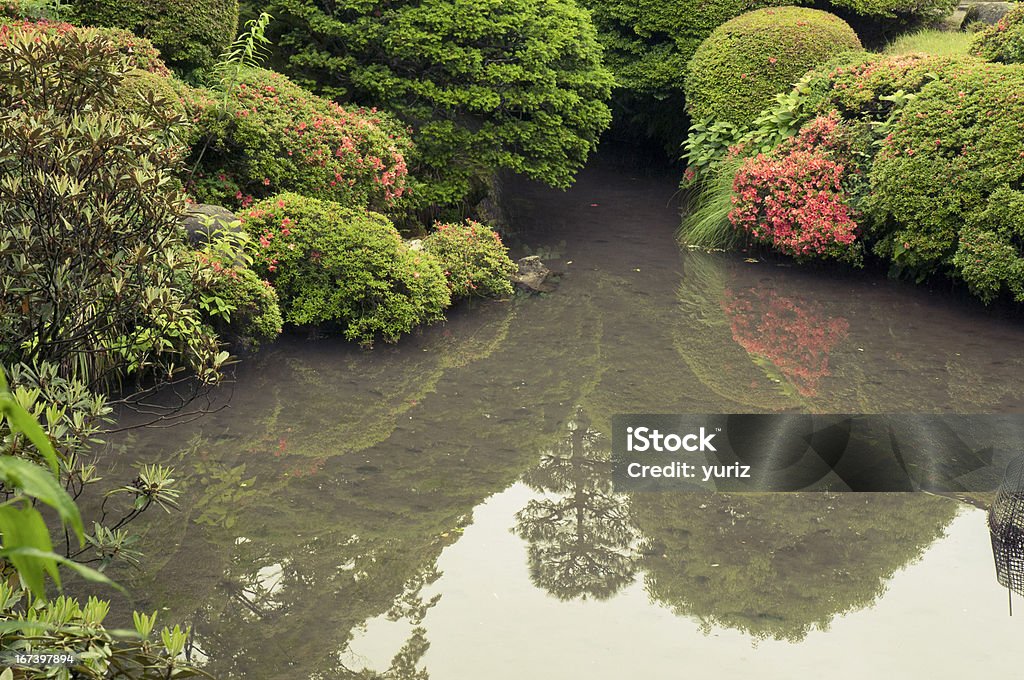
column 581, row 540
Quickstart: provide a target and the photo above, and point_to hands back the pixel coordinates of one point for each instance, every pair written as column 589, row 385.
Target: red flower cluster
column 793, row 198
column 796, row 336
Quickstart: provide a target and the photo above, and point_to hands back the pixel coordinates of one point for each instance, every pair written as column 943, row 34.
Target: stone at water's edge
column 533, row 275
column 195, row 219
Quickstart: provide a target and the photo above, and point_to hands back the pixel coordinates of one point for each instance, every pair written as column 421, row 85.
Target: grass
column 931, row 41
column 707, row 225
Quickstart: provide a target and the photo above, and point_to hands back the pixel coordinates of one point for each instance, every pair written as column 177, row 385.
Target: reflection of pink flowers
column 795, row 335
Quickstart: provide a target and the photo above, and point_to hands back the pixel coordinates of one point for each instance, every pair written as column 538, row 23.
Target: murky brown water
column 442, row 507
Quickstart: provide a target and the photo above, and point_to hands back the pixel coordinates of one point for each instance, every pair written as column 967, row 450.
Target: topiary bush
column 1003, row 41
column 474, row 260
column 947, row 153
column 190, row 34
column 798, row 198
column 333, row 264
column 276, row 136
column 485, row 85
column 744, row 63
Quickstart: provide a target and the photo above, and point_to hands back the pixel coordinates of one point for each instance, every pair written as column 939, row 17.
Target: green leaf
column 36, row 482
column 23, row 529
column 88, row 573
column 22, row 421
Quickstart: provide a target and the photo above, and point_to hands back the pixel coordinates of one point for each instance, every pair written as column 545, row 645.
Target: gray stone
column 415, row 244
column 202, row 218
column 985, row 12
column 533, row 275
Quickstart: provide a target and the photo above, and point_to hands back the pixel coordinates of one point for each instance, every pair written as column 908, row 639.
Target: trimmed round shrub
column 745, row 62
column 333, row 264
column 947, row 153
column 1003, row 41
column 190, row 34
column 241, row 307
column 475, row 261
column 797, row 198
column 278, row 137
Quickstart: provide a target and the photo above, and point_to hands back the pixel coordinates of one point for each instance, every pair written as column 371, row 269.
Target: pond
column 442, row 507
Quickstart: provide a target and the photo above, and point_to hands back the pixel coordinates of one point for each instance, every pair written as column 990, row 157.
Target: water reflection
column 795, row 336
column 777, row 566
column 581, row 540
column 344, row 491
column 771, row 338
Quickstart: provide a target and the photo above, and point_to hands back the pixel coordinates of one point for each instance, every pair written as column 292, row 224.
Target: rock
column 415, row 244
column 952, row 22
column 985, row 12
column 202, row 218
column 532, row 276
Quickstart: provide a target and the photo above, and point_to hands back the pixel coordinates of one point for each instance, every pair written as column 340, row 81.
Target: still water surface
column 441, row 508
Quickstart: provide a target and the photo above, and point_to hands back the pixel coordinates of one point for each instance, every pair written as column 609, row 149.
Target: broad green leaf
column 22, row 421
column 36, row 482
column 23, row 529
column 88, row 573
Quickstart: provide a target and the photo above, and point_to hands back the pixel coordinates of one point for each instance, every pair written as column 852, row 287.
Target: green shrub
column 474, row 259
column 744, row 63
column 948, row 152
column 277, row 136
column 190, row 34
column 485, row 85
column 139, row 52
column 332, row 264
column 990, row 247
column 864, row 87
column 241, row 307
column 1003, row 41
column 93, row 271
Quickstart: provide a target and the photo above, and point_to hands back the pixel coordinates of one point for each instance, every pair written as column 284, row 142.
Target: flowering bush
column 796, row 336
column 795, row 198
column 1004, row 40
column 333, row 264
column 474, row 259
column 279, row 137
column 873, row 86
